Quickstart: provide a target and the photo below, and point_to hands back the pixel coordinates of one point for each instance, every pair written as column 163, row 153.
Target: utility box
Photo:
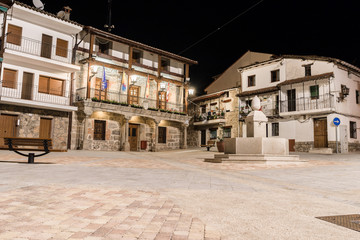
column 143, row 145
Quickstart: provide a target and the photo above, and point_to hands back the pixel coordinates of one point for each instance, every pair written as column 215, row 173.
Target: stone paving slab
column 55, row 212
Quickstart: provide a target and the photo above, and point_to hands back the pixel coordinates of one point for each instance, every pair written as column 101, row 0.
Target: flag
column 103, row 81
column 123, row 82
column 147, row 89
column 168, row 92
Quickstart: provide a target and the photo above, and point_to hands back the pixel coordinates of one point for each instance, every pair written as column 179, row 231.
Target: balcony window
column 162, row 135
column 251, row 81
column 357, row 96
column 104, row 45
column 165, row 64
column 100, row 91
column 314, row 92
column 61, row 48
column 46, row 46
column 14, row 34
column 51, row 86
column 137, row 55
column 134, row 95
column 275, row 76
column 9, row 78
column 275, row 129
column 353, row 133
column 99, row 130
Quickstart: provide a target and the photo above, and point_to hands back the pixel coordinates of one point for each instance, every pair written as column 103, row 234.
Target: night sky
column 316, row 27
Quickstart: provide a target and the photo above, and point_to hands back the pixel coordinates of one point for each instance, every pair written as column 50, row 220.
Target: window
column 136, row 56
column 162, row 100
column 314, row 92
column 165, row 64
column 353, row 133
column 227, row 132
column 213, row 133
column 251, row 81
column 162, row 135
column 14, row 34
column 9, row 78
column 357, row 96
column 134, row 95
column 275, row 129
column 61, row 48
column 248, row 103
column 275, row 75
column 307, row 70
column 99, row 130
column 104, row 45
column 51, row 86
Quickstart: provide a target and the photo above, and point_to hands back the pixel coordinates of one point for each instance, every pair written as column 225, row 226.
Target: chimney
column 67, row 12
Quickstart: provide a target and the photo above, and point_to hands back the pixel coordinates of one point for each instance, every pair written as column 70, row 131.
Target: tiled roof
column 209, row 96
column 307, row 78
column 46, row 13
column 258, row 91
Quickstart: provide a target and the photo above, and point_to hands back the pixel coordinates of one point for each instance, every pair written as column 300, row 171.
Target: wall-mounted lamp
column 191, row 91
column 94, row 70
column 133, row 79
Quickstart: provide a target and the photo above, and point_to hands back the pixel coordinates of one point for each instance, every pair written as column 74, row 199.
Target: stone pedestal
column 256, row 124
column 257, row 145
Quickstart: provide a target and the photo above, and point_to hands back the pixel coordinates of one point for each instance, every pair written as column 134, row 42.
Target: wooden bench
column 209, row 144
column 17, row 144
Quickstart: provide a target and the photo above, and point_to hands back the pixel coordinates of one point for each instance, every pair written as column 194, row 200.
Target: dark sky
column 309, row 27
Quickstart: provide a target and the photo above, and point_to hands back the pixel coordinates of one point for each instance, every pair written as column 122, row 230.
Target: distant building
column 130, row 96
column 36, row 74
column 216, row 114
column 301, row 95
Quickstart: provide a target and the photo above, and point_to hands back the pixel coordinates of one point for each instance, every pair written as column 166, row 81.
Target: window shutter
column 61, row 47
column 43, row 84
column 14, row 34
column 9, row 78
column 56, row 87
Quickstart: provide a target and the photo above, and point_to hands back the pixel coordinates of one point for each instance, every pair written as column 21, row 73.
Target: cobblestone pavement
column 174, row 195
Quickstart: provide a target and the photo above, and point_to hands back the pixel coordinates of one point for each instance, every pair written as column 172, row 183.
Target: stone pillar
column 184, row 130
column 126, row 144
column 155, row 143
column 256, row 120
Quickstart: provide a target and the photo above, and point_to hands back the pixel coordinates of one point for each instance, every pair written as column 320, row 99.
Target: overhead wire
column 225, row 24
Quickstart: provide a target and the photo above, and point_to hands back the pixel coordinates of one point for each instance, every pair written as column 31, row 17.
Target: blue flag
column 103, row 81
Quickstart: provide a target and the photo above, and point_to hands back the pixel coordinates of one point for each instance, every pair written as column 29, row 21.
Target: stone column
column 126, row 144
column 184, row 128
column 155, row 143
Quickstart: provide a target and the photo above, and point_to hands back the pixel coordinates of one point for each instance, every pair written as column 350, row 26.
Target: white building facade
column 36, row 74
column 301, row 96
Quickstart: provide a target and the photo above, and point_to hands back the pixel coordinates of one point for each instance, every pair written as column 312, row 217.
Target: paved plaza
column 175, row 195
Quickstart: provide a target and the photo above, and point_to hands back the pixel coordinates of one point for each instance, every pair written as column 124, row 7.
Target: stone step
column 321, row 150
column 253, row 158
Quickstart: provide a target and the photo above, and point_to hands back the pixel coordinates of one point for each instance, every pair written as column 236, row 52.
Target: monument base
column 255, row 150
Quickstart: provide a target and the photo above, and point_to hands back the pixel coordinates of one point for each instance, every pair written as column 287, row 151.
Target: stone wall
column 303, row 146
column 29, row 119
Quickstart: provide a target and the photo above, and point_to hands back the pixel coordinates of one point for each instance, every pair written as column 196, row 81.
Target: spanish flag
column 147, row 89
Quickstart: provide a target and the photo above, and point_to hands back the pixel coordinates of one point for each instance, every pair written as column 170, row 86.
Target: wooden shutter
column 61, row 47
column 45, row 128
column 43, row 84
column 9, row 78
column 14, row 34
column 56, row 86
column 99, row 130
column 46, row 45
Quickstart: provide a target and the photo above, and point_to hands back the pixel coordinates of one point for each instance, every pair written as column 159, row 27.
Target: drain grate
column 348, row 221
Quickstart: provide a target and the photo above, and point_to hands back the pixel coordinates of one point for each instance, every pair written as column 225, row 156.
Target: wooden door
column 203, row 137
column 320, row 133
column 45, row 128
column 100, row 93
column 291, row 94
column 27, row 86
column 133, row 136
column 46, row 46
column 134, row 95
column 162, row 100
column 7, row 127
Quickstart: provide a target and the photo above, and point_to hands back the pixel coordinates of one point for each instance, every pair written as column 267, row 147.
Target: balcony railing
column 37, row 48
column 269, row 109
column 209, row 116
column 31, row 92
column 308, row 103
column 120, row 98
